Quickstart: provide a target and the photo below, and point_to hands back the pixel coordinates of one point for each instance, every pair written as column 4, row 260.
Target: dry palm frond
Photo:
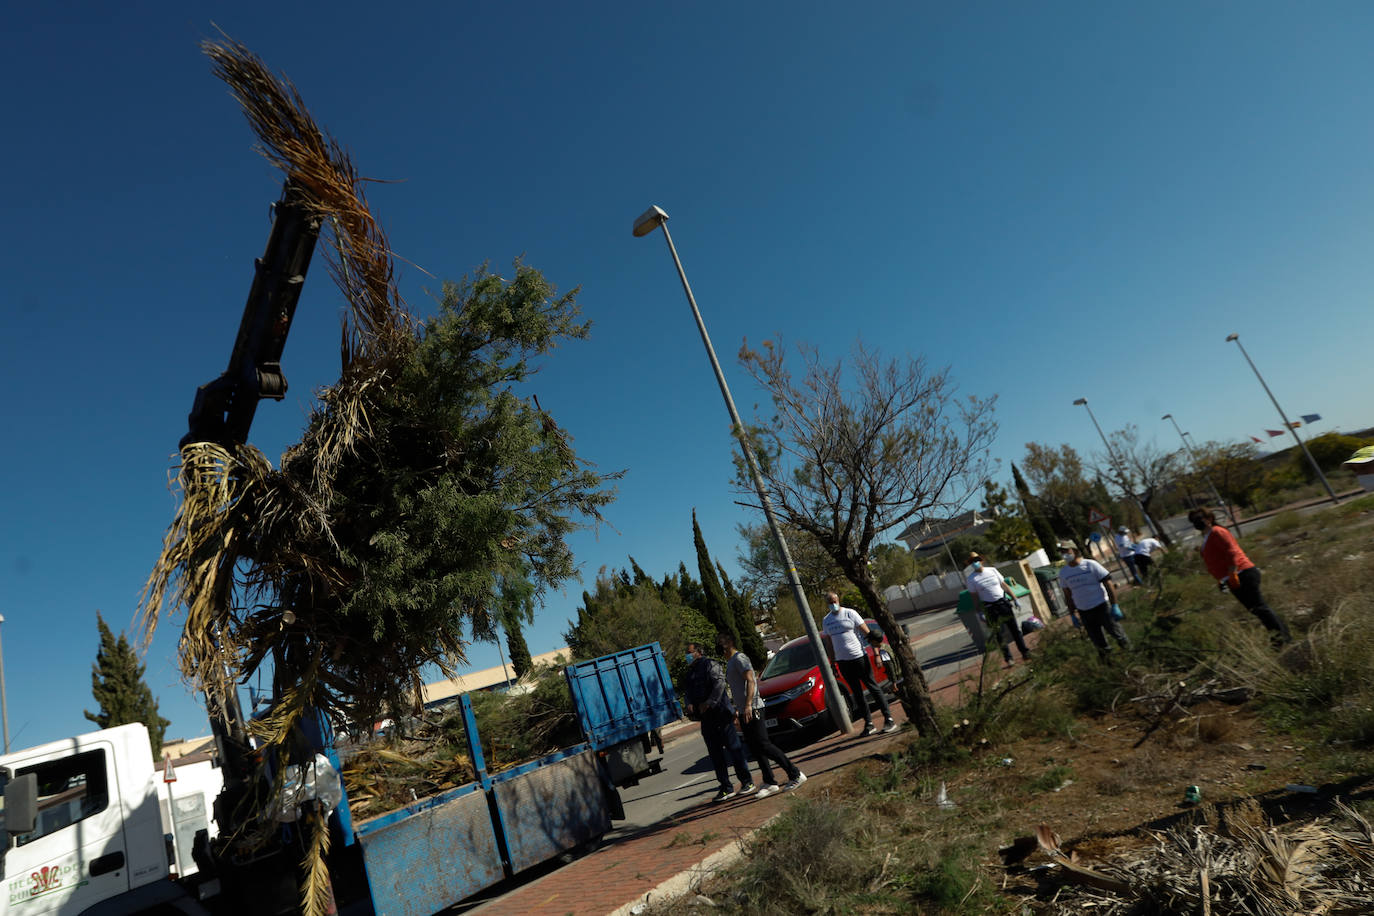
column 359, row 257
column 349, row 570
column 249, row 543
column 317, row 891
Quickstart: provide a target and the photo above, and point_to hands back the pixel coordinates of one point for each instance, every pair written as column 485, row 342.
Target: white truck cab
column 85, row 828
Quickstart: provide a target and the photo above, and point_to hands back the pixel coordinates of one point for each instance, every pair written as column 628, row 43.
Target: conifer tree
column 742, row 606
column 716, row 607
column 118, row 686
column 1043, row 532
column 520, row 658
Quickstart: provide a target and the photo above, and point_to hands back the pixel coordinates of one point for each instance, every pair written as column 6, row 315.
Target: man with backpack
column 708, row 701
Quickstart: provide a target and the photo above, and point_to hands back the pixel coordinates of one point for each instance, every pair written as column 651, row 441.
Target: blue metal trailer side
column 429, row 855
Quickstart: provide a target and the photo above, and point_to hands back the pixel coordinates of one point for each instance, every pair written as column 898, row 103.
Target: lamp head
column 649, row 221
column 1231, row 337
column 1167, row 416
column 1081, row 401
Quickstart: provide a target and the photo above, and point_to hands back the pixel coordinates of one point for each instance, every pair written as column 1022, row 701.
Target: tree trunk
column 1145, row 504
column 913, row 692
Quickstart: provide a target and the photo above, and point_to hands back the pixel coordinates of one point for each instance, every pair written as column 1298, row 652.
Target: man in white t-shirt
column 992, row 592
column 843, row 625
column 1125, row 549
column 1144, row 562
column 1088, row 589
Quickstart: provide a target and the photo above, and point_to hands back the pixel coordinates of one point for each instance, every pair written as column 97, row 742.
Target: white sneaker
column 770, row 789
column 792, row 784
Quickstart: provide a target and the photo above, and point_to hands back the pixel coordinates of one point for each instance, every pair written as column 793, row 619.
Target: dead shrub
column 1216, row 728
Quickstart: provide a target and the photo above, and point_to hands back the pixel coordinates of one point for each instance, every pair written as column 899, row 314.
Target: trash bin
column 1048, row 577
column 968, row 615
column 1020, row 598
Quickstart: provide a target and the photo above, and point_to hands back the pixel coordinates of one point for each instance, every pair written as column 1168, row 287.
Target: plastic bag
column 315, row 781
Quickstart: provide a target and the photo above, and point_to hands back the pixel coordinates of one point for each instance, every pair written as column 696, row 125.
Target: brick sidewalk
column 626, row 869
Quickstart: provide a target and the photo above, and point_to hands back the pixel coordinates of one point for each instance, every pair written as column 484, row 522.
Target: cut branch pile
column 1249, row 868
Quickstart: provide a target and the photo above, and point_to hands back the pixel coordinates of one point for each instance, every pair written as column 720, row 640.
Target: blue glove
column 1116, row 612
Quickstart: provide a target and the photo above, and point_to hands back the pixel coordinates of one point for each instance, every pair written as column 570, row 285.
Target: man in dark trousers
column 708, row 701
column 744, row 691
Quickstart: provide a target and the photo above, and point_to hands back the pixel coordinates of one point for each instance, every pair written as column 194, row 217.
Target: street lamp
column 656, row 218
column 4, row 705
column 1120, row 466
column 1235, row 523
column 1282, row 416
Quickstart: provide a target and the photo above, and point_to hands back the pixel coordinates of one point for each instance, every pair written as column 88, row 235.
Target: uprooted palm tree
column 427, row 499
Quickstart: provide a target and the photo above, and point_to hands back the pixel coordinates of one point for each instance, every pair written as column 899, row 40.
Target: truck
column 91, row 826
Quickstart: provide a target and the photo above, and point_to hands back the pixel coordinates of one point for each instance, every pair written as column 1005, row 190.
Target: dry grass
column 1124, row 811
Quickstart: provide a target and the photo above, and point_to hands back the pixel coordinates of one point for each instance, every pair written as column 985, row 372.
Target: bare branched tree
column 849, row 455
column 1141, row 468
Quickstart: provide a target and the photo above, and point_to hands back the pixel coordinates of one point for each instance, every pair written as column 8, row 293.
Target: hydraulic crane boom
column 224, row 408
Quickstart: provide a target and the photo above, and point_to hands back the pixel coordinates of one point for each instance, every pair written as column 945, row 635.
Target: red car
column 792, row 690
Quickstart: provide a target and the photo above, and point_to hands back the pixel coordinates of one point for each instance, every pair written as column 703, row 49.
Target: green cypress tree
column 118, row 686
column 742, row 605
column 1043, row 532
column 520, row 658
column 716, row 607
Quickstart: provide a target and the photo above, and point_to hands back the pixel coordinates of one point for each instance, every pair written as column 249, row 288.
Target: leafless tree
column 1142, row 469
column 852, row 451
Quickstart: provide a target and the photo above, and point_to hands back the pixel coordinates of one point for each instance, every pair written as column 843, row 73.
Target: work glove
column 1116, row 612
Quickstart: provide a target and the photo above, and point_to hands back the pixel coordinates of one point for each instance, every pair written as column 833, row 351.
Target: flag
column 1274, row 432
column 1257, row 439
column 1294, row 424
column 1311, row 417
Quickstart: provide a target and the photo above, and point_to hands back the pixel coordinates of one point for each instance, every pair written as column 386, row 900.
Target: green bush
column 518, row 727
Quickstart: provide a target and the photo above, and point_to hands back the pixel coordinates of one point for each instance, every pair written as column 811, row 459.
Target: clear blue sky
column 1058, row 199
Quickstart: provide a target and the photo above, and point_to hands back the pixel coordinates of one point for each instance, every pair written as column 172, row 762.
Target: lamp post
column 1282, row 416
column 4, row 704
column 656, row 218
column 1120, row 466
column 1235, row 523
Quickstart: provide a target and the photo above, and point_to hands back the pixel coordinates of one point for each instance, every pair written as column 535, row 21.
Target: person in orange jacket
column 1234, row 571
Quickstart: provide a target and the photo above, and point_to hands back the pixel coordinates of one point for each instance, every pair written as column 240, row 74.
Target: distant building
column 929, row 536
column 497, row 678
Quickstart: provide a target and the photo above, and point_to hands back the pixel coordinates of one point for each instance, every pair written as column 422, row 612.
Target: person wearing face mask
column 990, row 592
column 843, row 625
column 1088, row 589
column 708, row 701
column 1234, row 571
column 744, row 691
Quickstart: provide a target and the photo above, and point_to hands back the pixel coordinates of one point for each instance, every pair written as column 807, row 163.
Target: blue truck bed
column 442, row 849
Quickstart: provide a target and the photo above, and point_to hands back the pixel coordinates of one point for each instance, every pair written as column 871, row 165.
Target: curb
column 680, row 884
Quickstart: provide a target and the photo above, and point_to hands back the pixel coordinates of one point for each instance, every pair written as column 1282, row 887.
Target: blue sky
column 1058, row 200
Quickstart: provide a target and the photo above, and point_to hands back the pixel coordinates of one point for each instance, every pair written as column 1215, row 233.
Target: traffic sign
column 1100, row 518
column 169, row 773
column 1095, row 536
